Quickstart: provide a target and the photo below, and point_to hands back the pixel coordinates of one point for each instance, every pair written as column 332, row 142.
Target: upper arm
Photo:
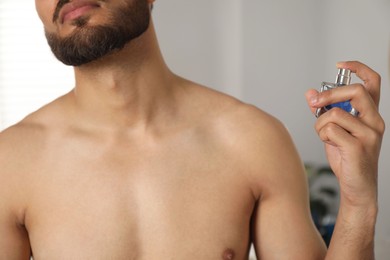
column 282, row 227
column 14, row 242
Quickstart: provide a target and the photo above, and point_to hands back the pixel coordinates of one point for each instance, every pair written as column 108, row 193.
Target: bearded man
column 136, row 162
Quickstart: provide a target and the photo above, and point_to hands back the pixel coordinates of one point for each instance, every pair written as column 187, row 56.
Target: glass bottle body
column 343, row 78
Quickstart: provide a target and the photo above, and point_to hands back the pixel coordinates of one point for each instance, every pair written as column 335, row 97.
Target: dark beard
column 89, row 43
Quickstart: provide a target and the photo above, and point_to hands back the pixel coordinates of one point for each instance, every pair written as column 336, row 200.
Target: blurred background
column 267, row 53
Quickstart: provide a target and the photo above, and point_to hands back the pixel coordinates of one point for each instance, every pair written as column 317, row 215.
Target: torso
column 184, row 195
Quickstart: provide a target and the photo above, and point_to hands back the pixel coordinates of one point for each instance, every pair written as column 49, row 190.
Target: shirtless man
column 138, row 163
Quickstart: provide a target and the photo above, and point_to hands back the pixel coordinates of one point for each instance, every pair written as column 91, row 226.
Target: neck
column 129, row 88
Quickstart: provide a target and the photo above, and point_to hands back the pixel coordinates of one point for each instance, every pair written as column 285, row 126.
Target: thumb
column 312, row 99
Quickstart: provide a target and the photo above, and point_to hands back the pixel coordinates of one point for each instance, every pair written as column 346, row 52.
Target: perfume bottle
column 343, row 78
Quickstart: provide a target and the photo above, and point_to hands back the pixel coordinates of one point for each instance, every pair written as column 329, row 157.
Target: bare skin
column 138, row 163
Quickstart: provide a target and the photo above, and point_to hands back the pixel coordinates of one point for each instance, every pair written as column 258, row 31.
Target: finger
column 356, row 94
column 348, row 123
column 371, row 79
column 335, row 135
column 360, row 100
column 311, row 98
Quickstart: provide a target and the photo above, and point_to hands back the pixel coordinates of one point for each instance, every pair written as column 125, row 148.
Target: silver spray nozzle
column 343, row 77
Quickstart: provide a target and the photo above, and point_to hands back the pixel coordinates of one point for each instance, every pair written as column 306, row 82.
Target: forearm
column 353, row 237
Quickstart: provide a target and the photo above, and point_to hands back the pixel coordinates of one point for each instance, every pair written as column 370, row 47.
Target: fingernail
column 314, row 100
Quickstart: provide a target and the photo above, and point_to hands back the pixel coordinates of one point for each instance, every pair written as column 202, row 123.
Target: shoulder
column 224, row 109
column 25, row 134
column 259, row 136
column 234, row 122
column 22, row 143
column 33, row 127
column 19, row 144
column 19, row 136
column 17, row 154
column 257, row 142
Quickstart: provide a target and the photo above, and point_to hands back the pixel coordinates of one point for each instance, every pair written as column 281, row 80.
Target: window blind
column 30, row 76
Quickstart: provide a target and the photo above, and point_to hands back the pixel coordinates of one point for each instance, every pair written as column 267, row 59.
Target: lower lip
column 77, row 12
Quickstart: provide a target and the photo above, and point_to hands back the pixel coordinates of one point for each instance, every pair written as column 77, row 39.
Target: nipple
column 228, row 254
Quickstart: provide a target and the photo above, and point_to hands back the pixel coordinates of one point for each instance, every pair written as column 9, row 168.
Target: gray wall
column 269, row 53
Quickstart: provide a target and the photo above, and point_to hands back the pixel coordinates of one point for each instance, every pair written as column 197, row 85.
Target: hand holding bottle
column 352, row 143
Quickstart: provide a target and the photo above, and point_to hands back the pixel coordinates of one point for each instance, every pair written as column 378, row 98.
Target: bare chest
column 138, row 205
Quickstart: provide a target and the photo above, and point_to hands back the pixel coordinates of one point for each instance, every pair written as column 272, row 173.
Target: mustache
column 59, row 6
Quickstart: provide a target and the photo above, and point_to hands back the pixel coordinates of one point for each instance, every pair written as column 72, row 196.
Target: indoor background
column 267, row 53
